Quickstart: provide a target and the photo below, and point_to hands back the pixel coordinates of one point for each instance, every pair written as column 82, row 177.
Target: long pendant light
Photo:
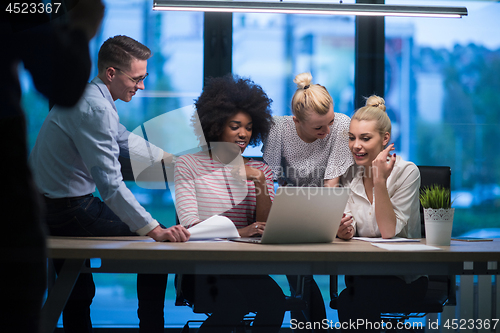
column 296, row 7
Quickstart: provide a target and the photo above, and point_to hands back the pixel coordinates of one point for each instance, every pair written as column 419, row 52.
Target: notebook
column 303, row 215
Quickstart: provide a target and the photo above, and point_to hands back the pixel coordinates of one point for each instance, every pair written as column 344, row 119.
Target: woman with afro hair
column 232, row 113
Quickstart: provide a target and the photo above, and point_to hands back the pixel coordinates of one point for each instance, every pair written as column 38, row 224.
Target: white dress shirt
column 403, row 186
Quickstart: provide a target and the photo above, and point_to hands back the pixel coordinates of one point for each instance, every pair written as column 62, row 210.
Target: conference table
column 143, row 255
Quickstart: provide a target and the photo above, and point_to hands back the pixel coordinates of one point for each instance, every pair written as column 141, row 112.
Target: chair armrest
column 334, row 292
column 452, row 290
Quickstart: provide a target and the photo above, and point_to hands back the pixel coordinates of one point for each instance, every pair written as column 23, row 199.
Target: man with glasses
column 78, row 150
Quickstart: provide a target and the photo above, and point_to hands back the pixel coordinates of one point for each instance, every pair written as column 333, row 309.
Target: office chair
column 292, row 303
column 441, row 289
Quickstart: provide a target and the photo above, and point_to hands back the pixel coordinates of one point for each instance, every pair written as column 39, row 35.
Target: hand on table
column 346, row 230
column 177, row 233
column 254, row 229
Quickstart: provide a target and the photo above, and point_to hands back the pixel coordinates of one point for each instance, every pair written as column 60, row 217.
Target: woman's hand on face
column 381, row 167
column 346, row 230
column 254, row 229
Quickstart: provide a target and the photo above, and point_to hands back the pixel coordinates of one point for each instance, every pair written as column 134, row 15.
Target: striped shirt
column 205, row 187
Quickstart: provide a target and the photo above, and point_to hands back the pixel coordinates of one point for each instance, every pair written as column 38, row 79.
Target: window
column 272, row 49
column 441, row 91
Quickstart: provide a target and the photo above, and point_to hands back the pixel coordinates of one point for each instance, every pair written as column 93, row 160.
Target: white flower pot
column 438, row 226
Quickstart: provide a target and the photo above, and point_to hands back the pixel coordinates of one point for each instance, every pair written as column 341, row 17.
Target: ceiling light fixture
column 309, row 8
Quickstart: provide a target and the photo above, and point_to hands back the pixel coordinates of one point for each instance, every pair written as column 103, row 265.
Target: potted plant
column 438, row 215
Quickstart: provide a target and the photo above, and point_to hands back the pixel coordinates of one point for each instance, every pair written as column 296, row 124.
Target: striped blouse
column 205, row 187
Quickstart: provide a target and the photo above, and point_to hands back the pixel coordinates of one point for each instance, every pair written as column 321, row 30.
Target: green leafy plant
column 436, row 197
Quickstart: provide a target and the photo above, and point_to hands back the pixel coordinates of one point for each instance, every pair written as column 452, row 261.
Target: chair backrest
column 430, row 175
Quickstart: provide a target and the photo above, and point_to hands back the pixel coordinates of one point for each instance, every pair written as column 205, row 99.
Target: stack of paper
column 405, row 247
column 386, row 240
column 215, row 227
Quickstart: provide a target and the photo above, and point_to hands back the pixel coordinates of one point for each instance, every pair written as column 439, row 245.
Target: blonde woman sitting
column 384, row 202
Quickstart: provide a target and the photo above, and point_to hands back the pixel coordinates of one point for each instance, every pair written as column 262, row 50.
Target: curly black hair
column 223, row 97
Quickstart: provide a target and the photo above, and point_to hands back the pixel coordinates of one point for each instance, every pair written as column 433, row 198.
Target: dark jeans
column 315, row 311
column 230, row 297
column 89, row 216
column 365, row 296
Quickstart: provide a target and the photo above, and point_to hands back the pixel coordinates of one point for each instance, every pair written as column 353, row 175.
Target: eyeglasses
column 137, row 80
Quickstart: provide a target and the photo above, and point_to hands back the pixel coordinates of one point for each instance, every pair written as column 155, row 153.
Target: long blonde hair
column 309, row 97
column 374, row 109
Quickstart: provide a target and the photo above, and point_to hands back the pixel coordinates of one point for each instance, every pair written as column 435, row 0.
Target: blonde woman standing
column 311, row 149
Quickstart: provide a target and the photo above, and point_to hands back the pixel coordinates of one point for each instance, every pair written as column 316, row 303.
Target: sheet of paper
column 385, row 240
column 211, row 240
column 215, row 227
column 406, row 247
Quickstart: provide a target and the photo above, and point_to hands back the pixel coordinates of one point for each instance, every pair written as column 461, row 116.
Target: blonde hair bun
column 374, row 109
column 309, row 97
column 303, row 79
column 376, row 101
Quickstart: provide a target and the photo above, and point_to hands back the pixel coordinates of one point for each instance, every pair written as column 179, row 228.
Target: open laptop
column 303, row 215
